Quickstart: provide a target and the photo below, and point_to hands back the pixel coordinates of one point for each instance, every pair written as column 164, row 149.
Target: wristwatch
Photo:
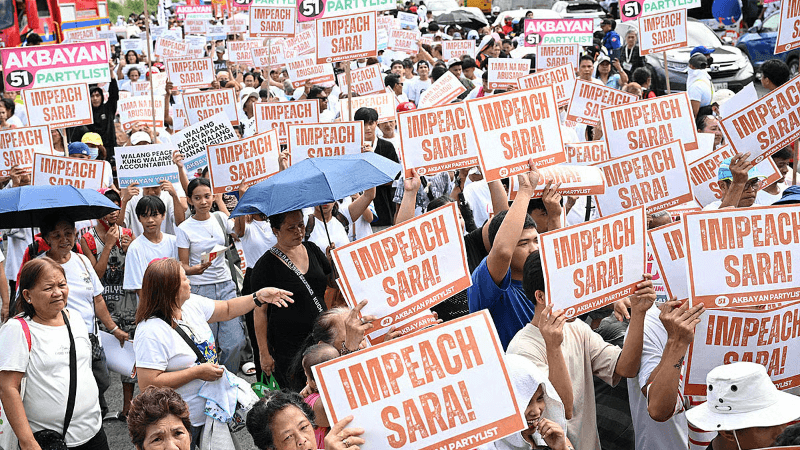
column 258, row 302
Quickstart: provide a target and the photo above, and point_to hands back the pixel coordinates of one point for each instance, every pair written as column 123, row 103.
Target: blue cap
column 726, row 174
column 790, row 195
column 78, row 148
column 702, row 49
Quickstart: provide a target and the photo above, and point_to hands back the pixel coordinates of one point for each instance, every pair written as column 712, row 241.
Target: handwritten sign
column 193, row 140
column 551, row 56
column 55, row 65
column 280, row 115
column 661, row 32
column 669, row 249
column 272, row 21
column 524, row 123
column 59, row 106
column 558, row 32
column 145, row 165
column 444, row 90
column 324, row 139
column 201, row 105
column 504, row 72
column 404, row 41
column 51, row 170
column 139, row 109
column 743, row 257
column 346, row 38
column 562, row 79
column 385, row 104
column 593, row 264
column 703, row 174
column 457, row 48
column 591, row 152
column 19, row 145
column 573, row 180
column 366, row 80
column 251, row 160
column 589, row 99
column 656, row 178
column 303, row 69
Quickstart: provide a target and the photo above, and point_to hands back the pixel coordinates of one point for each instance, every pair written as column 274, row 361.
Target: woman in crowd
column 132, row 76
column 300, row 267
column 282, row 421
column 196, row 238
column 159, row 420
column 629, row 57
column 489, row 48
column 98, row 151
column 340, row 221
column 169, row 318
column 131, row 58
column 6, row 112
column 39, row 346
column 606, row 76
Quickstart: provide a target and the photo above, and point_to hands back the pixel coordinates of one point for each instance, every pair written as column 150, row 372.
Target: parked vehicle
column 49, row 19
column 520, row 14
column 579, row 9
column 758, row 44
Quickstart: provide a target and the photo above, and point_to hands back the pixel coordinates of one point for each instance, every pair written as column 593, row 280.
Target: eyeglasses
column 752, row 185
column 324, row 99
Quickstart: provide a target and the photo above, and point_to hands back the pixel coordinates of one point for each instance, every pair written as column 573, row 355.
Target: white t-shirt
column 47, row 371
column 108, row 175
column 336, row 231
column 699, row 87
column 141, row 252
column 159, row 347
column 258, row 239
column 167, row 225
column 84, row 286
column 479, row 199
column 18, row 239
column 765, row 198
column 200, row 237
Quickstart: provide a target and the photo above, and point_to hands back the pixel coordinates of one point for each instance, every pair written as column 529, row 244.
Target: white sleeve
column 653, row 344
column 134, row 269
column 181, row 238
column 695, row 92
column 150, row 351
column 14, row 357
column 97, row 286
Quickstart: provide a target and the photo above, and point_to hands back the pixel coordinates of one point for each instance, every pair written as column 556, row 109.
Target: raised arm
column 631, row 357
column 409, row 201
column 361, row 204
column 239, row 306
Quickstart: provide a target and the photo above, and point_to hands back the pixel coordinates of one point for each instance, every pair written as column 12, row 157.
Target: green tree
column 126, row 7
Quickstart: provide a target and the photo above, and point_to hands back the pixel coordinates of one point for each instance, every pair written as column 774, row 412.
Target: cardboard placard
column 201, row 105
column 593, row 264
column 422, row 320
column 438, row 139
column 575, row 180
column 656, row 178
column 281, row 115
column 304, row 69
column 196, row 47
column 59, row 106
column 178, row 113
column 591, row 152
column 139, row 109
column 644, row 124
column 195, row 26
column 669, row 249
column 504, row 72
column 743, row 257
column 558, row 32
column 524, row 123
column 315, row 140
column 766, row 125
column 190, row 72
column 193, row 140
column 633, row 9
column 385, row 104
column 457, row 48
column 444, row 90
column 145, row 165
column 272, row 21
column 787, row 37
column 408, row 21
column 346, row 38
column 200, row 11
column 661, row 32
column 169, row 48
column 551, row 56
column 366, row 80
column 251, row 160
column 589, row 99
column 49, row 170
column 441, row 374
column 55, row 65
column 18, row 147
column 136, row 45
column 79, row 34
column 561, row 78
column 304, row 42
column 404, row 41
column 239, row 51
column 764, row 337
column 407, row 268
column 308, row 11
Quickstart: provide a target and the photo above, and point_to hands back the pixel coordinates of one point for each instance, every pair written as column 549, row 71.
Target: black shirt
column 103, row 117
column 384, row 194
column 476, row 250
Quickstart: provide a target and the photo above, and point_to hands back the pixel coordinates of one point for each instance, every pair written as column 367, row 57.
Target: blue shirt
column 507, row 303
column 612, row 41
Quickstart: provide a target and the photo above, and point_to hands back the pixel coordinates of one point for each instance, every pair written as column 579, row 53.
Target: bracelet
column 258, row 302
column 344, row 350
column 115, row 329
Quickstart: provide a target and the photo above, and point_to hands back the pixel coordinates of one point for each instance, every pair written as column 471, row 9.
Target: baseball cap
column 454, row 62
column 721, row 96
column 139, row 137
column 406, row 106
column 702, row 49
column 603, row 58
column 725, row 173
column 78, row 148
column 248, row 92
column 92, row 138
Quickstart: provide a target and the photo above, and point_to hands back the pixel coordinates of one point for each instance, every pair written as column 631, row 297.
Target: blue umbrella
column 26, row 206
column 315, row 181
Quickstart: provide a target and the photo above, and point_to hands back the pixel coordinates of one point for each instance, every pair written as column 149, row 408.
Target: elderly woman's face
column 167, row 434
column 49, row 295
column 186, row 289
column 62, row 238
column 291, row 429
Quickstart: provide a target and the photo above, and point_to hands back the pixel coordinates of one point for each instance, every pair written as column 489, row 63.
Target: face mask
column 93, row 153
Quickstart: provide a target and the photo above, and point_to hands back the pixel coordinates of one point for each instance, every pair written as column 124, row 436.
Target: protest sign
column 593, row 264
column 764, row 336
column 201, row 105
column 388, row 394
column 251, row 160
column 346, row 38
column 311, row 10
column 136, row 45
column 281, row 115
column 304, row 42
column 404, row 41
column 633, row 9
column 143, row 87
column 145, row 165
column 198, row 11
column 574, row 180
column 217, row 32
column 788, row 26
column 562, row 79
column 168, row 48
column 19, row 145
column 178, row 113
column 55, row 65
column 385, row 104
column 240, row 51
column 558, row 32
column 195, row 26
column 59, row 106
column 644, row 124
column 407, row 268
column 662, row 32
column 188, row 72
column 239, row 24
column 504, row 72
column 414, row 323
column 193, row 140
column 656, row 178
column 438, row 139
column 366, row 80
column 108, row 35
column 51, row 170
column 196, row 47
column 139, row 109
column 324, row 139
column 668, row 247
column 677, row 212
column 457, row 48
column 516, row 121
column 703, row 174
column 591, row 152
column 272, row 21
column 551, row 56
column 743, row 256
column 382, row 39
column 766, row 125
column 442, row 91
column 79, row 34
column 304, row 69
column 589, row 99
column 408, row 21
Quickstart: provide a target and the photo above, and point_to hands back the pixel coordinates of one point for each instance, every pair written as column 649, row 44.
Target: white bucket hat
column 741, row 395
